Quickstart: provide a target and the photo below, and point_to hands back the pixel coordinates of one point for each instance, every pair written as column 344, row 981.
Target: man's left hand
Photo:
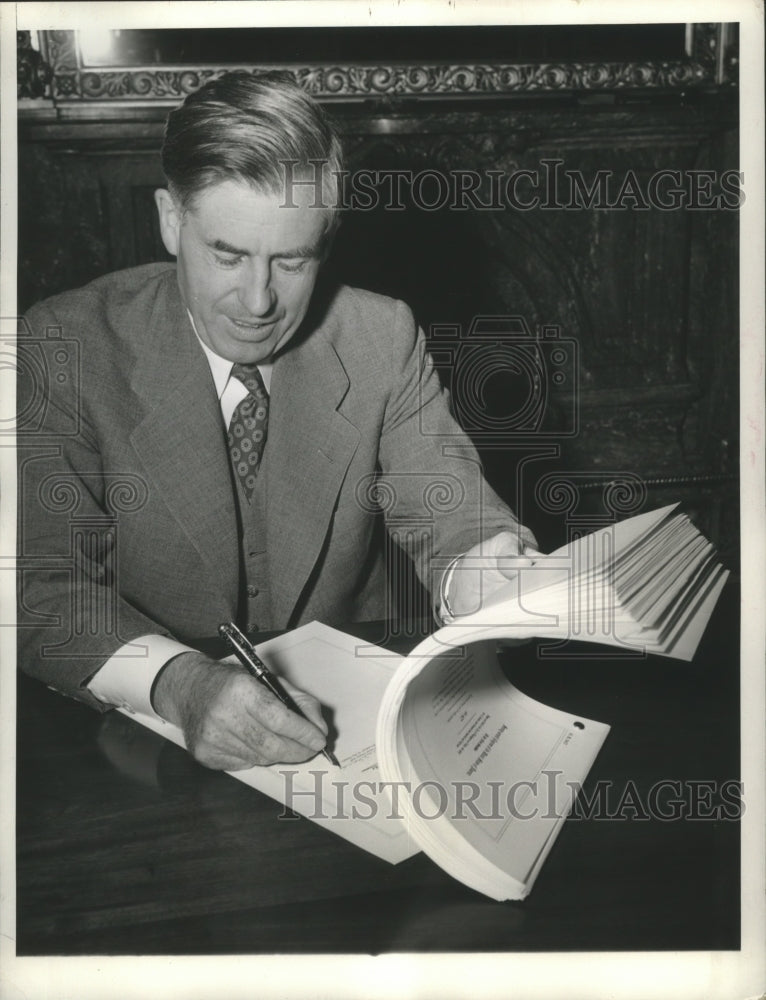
column 484, row 568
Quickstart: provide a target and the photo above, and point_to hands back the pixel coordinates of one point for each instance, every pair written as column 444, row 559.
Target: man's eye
column 227, row 261
column 292, row 266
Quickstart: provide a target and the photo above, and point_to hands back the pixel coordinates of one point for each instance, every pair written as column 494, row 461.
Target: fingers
column 271, row 726
column 509, row 562
column 231, row 721
column 308, row 704
column 509, row 567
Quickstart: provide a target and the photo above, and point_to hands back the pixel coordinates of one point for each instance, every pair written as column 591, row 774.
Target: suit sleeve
column 71, row 618
column 435, row 497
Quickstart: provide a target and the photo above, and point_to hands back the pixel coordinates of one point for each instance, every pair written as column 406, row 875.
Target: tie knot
column 251, row 378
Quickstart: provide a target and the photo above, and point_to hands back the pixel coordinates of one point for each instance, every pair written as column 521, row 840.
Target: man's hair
column 261, row 129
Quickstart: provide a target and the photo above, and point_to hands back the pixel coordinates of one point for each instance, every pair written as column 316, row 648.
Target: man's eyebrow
column 312, row 250
column 225, row 247
column 305, row 251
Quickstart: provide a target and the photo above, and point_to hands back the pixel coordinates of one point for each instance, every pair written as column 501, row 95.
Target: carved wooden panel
column 343, row 63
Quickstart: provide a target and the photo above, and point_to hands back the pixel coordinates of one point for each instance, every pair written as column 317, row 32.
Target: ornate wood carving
column 161, row 84
column 331, row 82
column 33, row 74
column 703, row 67
column 62, row 55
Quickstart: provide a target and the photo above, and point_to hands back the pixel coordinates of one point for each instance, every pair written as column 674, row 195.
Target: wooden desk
column 127, row 846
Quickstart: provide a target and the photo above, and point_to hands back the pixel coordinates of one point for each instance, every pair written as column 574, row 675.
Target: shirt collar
column 220, row 368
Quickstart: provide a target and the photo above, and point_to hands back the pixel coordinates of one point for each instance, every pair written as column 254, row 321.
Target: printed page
column 500, row 767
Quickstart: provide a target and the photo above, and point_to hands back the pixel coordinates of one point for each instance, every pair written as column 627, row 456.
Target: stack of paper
column 650, row 583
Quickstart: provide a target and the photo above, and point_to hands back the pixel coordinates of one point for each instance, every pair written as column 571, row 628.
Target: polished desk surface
column 126, row 846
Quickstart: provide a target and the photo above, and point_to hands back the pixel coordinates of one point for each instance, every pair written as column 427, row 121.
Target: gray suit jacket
column 127, row 510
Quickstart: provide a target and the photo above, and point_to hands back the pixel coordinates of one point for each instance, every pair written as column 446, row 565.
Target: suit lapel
column 310, row 446
column 181, row 439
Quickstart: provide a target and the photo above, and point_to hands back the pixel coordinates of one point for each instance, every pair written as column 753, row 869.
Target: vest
column 255, row 594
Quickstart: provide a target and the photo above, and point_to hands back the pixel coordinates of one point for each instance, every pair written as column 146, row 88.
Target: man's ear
column 170, row 219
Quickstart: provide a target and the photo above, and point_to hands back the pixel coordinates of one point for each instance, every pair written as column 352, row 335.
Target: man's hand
column 229, row 720
column 486, row 567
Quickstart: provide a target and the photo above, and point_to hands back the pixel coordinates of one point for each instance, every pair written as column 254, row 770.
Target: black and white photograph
column 383, row 500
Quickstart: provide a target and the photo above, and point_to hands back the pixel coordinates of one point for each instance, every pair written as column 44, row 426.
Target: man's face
column 247, row 265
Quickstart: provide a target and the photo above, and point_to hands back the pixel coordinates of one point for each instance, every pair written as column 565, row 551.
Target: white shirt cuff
column 126, row 679
column 445, row 612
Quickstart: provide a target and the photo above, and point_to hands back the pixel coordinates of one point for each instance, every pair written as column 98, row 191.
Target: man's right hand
column 229, row 720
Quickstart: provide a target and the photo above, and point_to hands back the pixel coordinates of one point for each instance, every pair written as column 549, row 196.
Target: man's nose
column 255, row 291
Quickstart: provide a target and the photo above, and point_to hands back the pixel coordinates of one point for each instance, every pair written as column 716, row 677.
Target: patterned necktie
column 248, row 427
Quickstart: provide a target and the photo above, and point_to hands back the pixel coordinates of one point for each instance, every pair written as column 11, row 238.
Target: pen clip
column 230, row 632
column 241, row 645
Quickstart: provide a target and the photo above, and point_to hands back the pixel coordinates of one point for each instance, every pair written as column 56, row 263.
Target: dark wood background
column 649, row 297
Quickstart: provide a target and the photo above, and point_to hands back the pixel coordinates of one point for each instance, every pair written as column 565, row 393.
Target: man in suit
column 230, row 439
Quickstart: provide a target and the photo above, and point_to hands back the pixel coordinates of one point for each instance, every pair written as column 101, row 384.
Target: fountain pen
column 255, row 666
